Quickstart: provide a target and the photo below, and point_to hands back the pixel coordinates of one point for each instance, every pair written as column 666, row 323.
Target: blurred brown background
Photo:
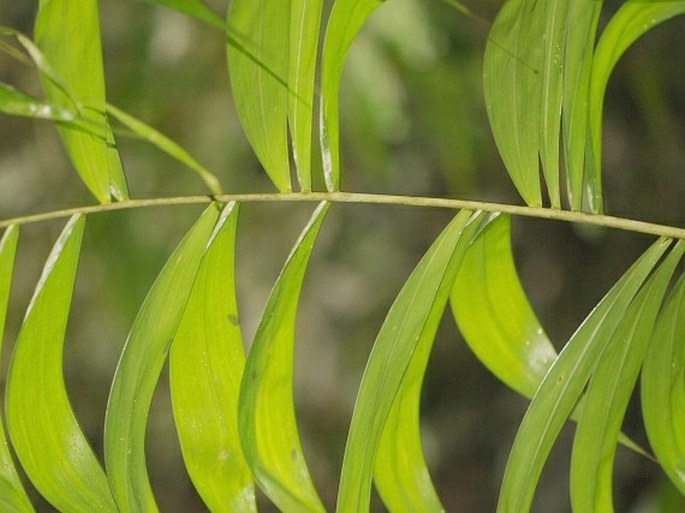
column 413, row 122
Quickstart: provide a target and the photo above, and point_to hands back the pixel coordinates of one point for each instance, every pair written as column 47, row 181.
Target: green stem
column 620, row 223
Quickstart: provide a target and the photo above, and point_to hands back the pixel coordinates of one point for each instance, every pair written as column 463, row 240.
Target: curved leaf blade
column 205, row 368
column 512, row 85
column 258, row 60
column 631, row 21
column 140, row 366
column 494, row 314
column 13, row 497
column 267, row 424
column 346, row 19
column 68, row 34
column 663, row 388
column 563, row 385
column 608, row 394
column 400, row 473
column 16, row 103
column 412, row 318
column 305, row 20
column 44, row 431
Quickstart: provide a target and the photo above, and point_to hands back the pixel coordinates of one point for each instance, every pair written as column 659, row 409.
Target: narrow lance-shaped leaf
column 44, row 431
column 345, row 21
column 13, row 498
column 16, row 103
column 401, row 474
column 580, row 44
column 68, row 34
column 494, row 314
column 268, row 428
column 258, row 49
column 564, row 383
column 165, row 144
column 195, row 8
column 663, row 388
column 512, row 85
column 631, row 21
column 141, row 364
column 205, row 368
column 305, row 20
column 413, row 316
column 608, row 394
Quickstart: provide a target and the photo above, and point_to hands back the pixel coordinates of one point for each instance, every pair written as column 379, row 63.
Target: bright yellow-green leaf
column 564, row 383
column 631, row 21
column 13, row 498
column 663, row 388
column 16, row 103
column 608, row 393
column 305, row 19
column 68, row 34
column 258, row 63
column 268, row 428
column 512, row 83
column 205, row 368
column 580, row 43
column 494, row 315
column 44, row 431
column 345, row 21
column 141, row 364
column 165, row 144
column 410, row 323
column 195, row 8
column 401, row 475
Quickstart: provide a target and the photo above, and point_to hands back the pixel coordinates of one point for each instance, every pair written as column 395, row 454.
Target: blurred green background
column 413, row 122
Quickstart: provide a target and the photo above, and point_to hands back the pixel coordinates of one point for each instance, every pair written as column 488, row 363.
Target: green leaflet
column 258, row 67
column 268, row 429
column 512, row 85
column 564, row 383
column 77, row 59
column 44, row 432
column 165, row 144
column 305, row 20
column 580, row 43
column 346, row 19
column 608, row 393
column 195, row 8
column 632, row 20
column 205, row 368
column 408, row 328
column 494, row 315
column 663, row 388
column 16, row 103
column 400, row 473
column 13, row 498
column 140, row 365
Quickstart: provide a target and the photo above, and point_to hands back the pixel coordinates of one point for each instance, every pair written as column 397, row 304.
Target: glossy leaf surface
column 77, row 60
column 413, row 317
column 141, row 364
column 45, row 434
column 16, row 103
column 205, row 368
column 267, row 421
column 564, row 383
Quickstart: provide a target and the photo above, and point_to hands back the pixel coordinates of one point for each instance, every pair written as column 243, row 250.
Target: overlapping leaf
column 16, row 103
column 411, row 322
column 44, row 431
column 663, row 388
column 205, row 368
column 400, row 472
column 140, row 366
column 631, row 21
column 13, row 498
column 267, row 422
column 77, row 59
column 345, row 21
column 564, row 383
